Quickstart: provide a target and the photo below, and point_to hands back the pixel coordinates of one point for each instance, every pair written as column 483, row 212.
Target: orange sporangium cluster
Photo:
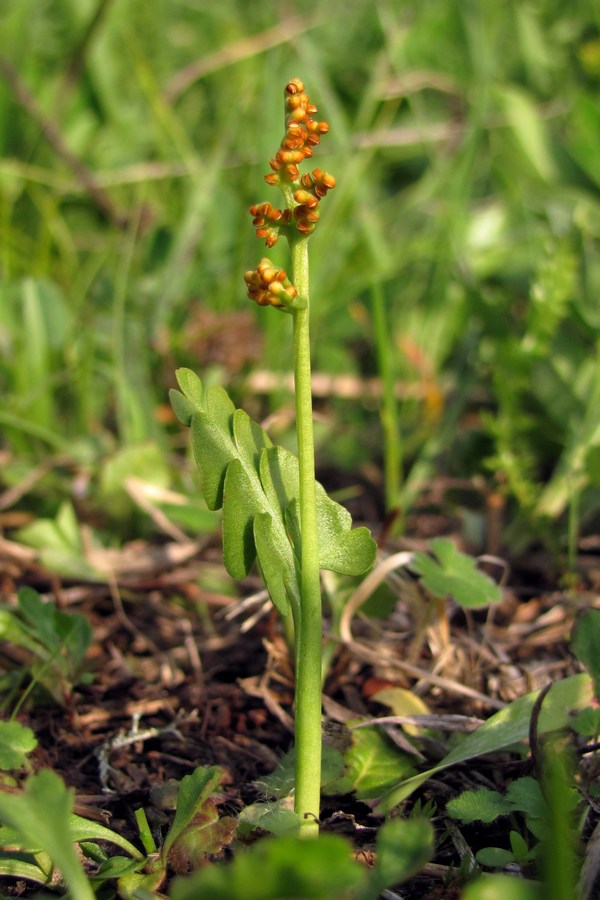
column 268, row 285
column 302, row 134
column 268, row 220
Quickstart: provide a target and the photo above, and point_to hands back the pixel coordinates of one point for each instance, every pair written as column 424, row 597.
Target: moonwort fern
column 274, row 511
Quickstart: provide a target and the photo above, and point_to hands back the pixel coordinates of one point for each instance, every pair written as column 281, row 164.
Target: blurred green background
column 456, row 262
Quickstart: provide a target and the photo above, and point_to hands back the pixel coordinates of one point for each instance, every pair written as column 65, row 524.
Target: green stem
column 392, row 441
column 309, row 628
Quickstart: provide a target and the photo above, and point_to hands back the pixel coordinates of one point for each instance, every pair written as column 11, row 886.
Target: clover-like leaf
column 454, row 574
column 257, row 485
column 482, row 805
column 16, row 741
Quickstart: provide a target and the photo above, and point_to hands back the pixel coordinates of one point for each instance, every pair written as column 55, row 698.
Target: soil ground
column 186, row 676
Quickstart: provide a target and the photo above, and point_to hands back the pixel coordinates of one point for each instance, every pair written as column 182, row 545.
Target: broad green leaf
column 372, row 764
column 585, row 644
column 503, row 887
column 41, row 815
column 506, row 728
column 276, row 868
column 583, row 134
column 16, row 741
column 454, row 574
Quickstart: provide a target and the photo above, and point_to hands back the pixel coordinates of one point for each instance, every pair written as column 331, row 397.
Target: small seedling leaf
column 525, row 795
column 276, row 817
column 66, row 635
column 452, row 573
column 16, row 741
column 519, row 847
column 194, row 791
column 478, row 806
column 494, row 857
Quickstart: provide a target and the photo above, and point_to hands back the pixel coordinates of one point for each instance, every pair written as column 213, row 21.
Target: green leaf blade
column 239, row 548
column 16, row 741
column 277, row 565
column 191, row 387
column 505, row 729
column 452, row 573
column 343, row 549
column 41, row 815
